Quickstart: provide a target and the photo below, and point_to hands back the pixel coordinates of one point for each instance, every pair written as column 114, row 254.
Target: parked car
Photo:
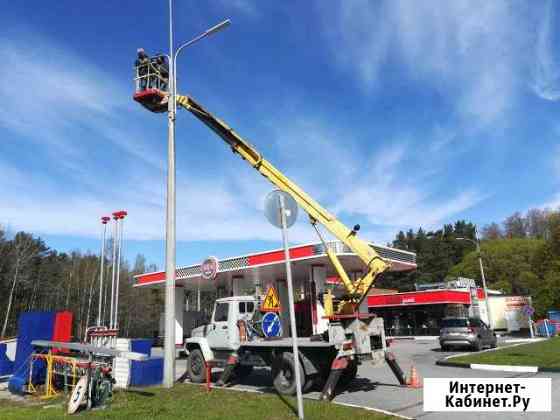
column 472, row 332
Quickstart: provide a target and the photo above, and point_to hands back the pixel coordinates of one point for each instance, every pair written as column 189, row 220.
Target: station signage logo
column 209, row 268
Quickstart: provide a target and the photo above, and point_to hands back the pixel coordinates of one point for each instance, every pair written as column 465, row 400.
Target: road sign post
column 529, row 311
column 281, row 211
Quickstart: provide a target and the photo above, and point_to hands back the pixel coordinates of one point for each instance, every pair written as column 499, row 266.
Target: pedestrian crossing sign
column 271, row 301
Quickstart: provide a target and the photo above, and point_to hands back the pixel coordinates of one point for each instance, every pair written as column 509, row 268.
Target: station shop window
column 415, row 321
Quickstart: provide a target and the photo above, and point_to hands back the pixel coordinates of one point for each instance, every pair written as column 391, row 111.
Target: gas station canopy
column 249, row 269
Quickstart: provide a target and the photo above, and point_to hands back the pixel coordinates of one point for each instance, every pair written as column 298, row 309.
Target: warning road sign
column 271, row 301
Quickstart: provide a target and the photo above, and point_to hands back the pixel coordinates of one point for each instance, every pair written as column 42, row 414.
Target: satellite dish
column 273, row 205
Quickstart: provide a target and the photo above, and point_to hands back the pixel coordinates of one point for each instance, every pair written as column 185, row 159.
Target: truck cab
column 221, row 335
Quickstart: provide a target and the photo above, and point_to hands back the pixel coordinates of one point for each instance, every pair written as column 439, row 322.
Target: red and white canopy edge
column 269, row 265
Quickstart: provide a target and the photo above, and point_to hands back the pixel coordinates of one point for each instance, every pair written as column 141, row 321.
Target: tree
column 400, row 242
column 515, row 226
column 23, row 250
column 536, row 223
column 492, row 231
column 509, row 265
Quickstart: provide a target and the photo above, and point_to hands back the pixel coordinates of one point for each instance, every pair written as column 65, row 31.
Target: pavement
column 5, row 394
column 377, row 388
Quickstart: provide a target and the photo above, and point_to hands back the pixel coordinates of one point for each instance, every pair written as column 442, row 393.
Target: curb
column 501, row 368
column 417, row 338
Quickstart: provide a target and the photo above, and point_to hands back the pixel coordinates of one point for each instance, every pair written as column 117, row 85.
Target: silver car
column 472, row 332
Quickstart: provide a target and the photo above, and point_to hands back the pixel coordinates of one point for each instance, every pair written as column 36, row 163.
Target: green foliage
column 507, row 264
column 436, row 252
column 544, row 354
column 186, row 401
column 520, row 257
column 34, row 277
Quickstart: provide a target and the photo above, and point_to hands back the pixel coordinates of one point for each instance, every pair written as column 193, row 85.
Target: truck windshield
column 454, row 323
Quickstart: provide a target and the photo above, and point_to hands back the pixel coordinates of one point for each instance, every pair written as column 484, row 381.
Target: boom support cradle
column 356, row 290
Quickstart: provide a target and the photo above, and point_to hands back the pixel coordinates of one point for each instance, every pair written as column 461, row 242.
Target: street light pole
column 169, row 342
column 170, row 226
column 486, row 297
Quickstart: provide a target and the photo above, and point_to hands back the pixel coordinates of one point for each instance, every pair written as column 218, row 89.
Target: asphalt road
column 376, row 386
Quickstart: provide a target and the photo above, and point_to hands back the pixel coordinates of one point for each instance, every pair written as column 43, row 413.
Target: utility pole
column 169, row 342
column 487, row 298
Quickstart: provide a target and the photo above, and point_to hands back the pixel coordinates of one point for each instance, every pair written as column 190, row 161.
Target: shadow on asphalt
column 458, row 350
column 361, row 384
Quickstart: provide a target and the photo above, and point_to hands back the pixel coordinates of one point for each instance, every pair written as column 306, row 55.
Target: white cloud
column 246, row 7
column 349, row 177
column 390, row 196
column 357, row 181
column 476, row 53
column 547, row 65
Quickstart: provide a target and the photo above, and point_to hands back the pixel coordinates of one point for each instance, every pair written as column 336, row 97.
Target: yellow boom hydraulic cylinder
column 357, row 289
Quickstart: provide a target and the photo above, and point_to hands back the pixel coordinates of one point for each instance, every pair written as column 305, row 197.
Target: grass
column 545, row 354
column 190, row 402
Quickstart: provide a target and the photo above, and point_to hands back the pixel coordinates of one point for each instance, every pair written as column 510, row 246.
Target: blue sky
column 393, row 115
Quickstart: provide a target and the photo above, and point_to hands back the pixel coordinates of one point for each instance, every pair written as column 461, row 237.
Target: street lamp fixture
column 486, row 297
column 170, row 227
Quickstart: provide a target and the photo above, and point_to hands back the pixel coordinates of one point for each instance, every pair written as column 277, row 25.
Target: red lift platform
column 151, row 83
column 153, row 100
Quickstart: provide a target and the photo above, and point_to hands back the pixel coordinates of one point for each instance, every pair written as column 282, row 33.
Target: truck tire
column 348, row 374
column 196, row 367
column 284, row 374
column 242, row 371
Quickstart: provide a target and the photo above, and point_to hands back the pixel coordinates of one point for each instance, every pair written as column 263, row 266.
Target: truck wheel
column 284, row 374
column 196, row 367
column 242, row 371
column 348, row 374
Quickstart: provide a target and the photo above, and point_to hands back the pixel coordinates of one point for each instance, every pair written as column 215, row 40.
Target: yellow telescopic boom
column 376, row 265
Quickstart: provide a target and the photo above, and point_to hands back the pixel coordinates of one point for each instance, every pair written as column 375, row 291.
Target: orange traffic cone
column 414, row 379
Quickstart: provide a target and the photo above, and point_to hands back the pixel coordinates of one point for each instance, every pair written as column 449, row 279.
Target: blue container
column 554, row 315
column 17, row 385
column 146, row 372
column 541, row 330
column 6, row 365
column 31, row 326
column 142, row 345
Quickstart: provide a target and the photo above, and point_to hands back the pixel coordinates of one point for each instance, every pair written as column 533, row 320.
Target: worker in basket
column 151, row 77
column 141, row 65
column 161, row 67
column 151, row 72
